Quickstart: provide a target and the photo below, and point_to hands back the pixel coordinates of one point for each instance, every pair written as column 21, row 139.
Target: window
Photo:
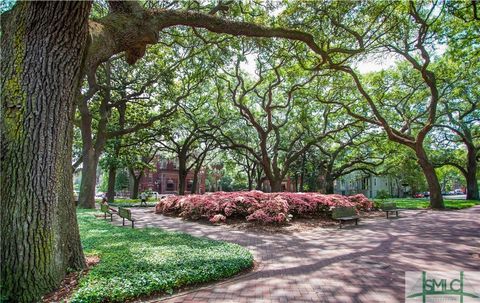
column 170, row 185
column 364, row 183
column 189, row 185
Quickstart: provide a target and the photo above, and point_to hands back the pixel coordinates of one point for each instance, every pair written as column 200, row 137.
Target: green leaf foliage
column 143, row 261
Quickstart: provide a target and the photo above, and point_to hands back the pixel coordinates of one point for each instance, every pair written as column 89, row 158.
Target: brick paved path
column 354, row 264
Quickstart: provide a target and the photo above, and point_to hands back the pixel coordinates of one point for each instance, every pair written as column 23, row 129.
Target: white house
column 368, row 184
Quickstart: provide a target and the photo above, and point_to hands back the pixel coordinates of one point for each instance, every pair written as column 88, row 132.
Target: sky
column 367, row 65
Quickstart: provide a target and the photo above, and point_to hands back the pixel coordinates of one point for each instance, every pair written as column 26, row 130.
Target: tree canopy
column 305, row 90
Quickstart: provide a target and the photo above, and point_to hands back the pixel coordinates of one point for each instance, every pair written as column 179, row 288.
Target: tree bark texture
column 471, row 176
column 436, row 198
column 112, row 174
column 43, row 46
column 182, row 174
column 136, row 182
column 276, row 185
column 86, row 197
column 329, row 187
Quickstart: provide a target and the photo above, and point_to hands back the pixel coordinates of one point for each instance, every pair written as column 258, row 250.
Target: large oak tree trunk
column 436, row 198
column 112, row 170
column 43, row 45
column 250, row 181
column 329, row 187
column 181, row 183
column 471, row 176
column 321, row 180
column 193, row 190
column 182, row 175
column 276, row 186
column 196, row 173
column 112, row 174
column 136, row 183
column 86, row 197
column 67, row 214
column 302, row 174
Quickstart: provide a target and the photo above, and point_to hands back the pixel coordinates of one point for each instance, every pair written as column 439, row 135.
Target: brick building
column 164, row 178
column 288, row 184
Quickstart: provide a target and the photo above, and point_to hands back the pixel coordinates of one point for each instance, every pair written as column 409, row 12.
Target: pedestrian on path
column 143, row 199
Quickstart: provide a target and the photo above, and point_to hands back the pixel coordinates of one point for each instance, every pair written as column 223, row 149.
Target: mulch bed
column 295, row 225
column 70, row 283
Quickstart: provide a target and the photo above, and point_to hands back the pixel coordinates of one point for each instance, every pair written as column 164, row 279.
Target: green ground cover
column 131, row 202
column 144, row 261
column 420, row 203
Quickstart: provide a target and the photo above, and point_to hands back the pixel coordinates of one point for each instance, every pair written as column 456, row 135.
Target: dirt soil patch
column 295, row 225
column 70, row 283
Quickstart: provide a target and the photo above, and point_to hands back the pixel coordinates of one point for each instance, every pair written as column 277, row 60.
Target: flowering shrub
column 257, row 206
column 218, row 218
column 361, row 202
column 272, row 209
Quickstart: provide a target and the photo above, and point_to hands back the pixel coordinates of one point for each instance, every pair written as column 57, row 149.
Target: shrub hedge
column 257, row 206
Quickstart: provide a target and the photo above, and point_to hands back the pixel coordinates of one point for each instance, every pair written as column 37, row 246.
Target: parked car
column 458, row 192
column 426, row 194
column 154, row 194
column 99, row 195
column 418, row 195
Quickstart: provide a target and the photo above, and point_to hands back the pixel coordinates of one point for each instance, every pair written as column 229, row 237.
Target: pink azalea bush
column 257, row 206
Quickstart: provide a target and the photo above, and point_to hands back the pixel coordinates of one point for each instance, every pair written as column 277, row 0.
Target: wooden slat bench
column 344, row 214
column 126, row 213
column 389, row 207
column 105, row 209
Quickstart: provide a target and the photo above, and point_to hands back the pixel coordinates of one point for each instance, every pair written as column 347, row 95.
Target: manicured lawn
column 138, row 262
column 131, row 202
column 424, row 203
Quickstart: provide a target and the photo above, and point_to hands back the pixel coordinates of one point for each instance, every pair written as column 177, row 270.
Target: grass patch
column 422, row 203
column 133, row 201
column 141, row 262
column 151, row 202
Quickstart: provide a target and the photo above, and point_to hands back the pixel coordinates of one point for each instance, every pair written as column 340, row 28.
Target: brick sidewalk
column 354, row 264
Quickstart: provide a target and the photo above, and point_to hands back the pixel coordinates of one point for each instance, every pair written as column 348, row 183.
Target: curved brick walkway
column 355, row 264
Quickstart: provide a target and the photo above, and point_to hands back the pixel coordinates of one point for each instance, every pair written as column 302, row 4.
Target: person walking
column 143, row 199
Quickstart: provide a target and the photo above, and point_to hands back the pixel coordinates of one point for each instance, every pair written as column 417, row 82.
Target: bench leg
column 397, row 213
column 111, row 217
column 123, row 222
column 133, row 222
column 356, row 221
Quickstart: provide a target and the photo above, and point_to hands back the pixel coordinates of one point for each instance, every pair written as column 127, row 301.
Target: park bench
column 343, row 214
column 126, row 213
column 389, row 207
column 105, row 209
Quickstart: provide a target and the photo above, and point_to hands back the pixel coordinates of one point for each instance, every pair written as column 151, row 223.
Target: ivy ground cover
column 421, row 203
column 141, row 262
column 257, row 206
